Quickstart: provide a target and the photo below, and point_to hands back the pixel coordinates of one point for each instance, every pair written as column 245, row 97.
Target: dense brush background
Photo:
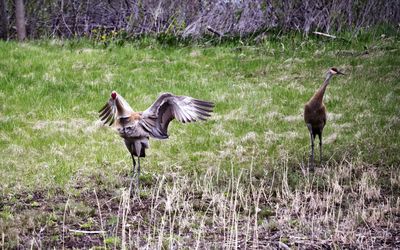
column 243, row 18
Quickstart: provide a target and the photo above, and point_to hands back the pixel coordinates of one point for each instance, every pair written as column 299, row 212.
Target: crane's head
column 335, row 71
column 113, row 95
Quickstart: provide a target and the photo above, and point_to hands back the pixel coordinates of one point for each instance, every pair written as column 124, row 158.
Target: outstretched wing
column 167, row 107
column 107, row 112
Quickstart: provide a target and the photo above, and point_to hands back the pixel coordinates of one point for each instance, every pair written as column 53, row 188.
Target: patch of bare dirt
column 179, row 217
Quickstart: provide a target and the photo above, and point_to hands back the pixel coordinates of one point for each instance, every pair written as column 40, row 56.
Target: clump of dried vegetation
column 342, row 204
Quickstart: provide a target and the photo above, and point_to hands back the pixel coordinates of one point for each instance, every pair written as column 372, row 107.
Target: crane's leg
column 320, row 148
column 133, row 174
column 312, row 147
column 138, row 174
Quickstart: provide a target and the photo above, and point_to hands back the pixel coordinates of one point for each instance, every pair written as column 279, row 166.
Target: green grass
column 50, row 95
column 50, row 92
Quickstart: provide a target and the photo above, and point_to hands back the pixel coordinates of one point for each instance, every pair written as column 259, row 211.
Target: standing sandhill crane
column 137, row 127
column 315, row 114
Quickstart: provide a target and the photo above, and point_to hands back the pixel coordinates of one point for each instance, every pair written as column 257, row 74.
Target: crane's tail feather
column 108, row 119
column 104, row 107
column 112, row 121
column 203, row 109
column 105, row 113
column 203, row 103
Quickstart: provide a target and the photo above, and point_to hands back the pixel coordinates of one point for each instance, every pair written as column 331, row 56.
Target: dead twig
column 209, row 28
column 86, row 232
column 101, row 218
column 325, row 34
column 283, row 246
column 330, row 36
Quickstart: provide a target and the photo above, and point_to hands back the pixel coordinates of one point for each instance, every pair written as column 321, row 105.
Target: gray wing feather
column 168, row 107
column 107, row 113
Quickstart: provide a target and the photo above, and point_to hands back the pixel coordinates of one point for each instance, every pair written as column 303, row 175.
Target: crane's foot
column 134, row 187
column 320, row 159
column 131, row 189
column 311, row 164
column 137, row 177
column 134, row 190
column 137, row 186
column 131, row 193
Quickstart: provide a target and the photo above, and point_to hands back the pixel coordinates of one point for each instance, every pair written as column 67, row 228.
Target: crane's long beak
column 341, row 73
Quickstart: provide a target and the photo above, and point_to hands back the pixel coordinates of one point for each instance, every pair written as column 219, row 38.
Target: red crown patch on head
column 114, row 95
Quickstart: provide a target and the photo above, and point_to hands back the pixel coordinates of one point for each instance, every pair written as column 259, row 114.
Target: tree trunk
column 20, row 19
column 3, row 20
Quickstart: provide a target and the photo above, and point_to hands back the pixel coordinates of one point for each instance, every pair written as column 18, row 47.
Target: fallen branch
column 209, row 28
column 324, row 34
column 283, row 246
column 86, row 232
column 330, row 36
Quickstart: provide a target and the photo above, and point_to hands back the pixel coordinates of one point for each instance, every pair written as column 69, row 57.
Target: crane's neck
column 123, row 108
column 319, row 95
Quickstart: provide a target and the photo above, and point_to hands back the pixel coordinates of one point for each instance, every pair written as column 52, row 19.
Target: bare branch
column 324, row 34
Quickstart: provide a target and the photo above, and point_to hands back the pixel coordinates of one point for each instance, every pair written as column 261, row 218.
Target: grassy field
column 238, row 180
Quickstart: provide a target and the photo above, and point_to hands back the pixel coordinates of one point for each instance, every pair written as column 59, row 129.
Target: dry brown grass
column 341, row 205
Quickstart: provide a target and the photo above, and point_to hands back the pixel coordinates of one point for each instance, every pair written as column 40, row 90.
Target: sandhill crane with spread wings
column 137, row 127
column 315, row 114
